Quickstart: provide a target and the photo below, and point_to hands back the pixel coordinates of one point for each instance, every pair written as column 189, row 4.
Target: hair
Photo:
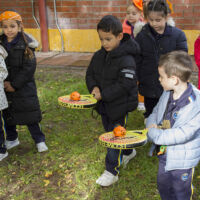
column 133, row 5
column 111, row 24
column 177, row 63
column 158, row 6
column 28, row 52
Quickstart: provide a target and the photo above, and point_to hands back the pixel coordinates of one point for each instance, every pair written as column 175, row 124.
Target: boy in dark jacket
column 111, row 78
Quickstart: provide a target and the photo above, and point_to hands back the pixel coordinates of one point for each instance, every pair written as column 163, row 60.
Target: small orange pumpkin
column 75, row 96
column 119, row 131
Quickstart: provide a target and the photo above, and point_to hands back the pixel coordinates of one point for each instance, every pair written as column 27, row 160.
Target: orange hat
column 10, row 15
column 170, row 6
column 138, row 4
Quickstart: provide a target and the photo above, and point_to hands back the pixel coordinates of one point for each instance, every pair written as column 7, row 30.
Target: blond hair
column 177, row 63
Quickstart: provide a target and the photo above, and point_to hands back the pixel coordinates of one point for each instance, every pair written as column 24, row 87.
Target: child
column 197, row 56
column 20, row 85
column 133, row 16
column 3, row 103
column 155, row 38
column 174, row 127
column 131, row 25
column 111, row 79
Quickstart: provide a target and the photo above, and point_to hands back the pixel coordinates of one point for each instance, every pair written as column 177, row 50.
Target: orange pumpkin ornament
column 119, row 131
column 75, row 96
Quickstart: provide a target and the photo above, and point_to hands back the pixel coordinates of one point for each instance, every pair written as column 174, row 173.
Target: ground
column 75, row 159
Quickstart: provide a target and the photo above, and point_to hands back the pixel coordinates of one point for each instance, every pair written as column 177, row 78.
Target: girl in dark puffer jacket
column 20, row 87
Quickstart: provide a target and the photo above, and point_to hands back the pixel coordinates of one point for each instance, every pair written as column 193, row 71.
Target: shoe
column 127, row 158
column 41, row 147
column 3, row 155
column 141, row 106
column 107, row 179
column 11, row 144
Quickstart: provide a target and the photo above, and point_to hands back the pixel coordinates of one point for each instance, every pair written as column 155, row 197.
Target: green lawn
column 75, row 159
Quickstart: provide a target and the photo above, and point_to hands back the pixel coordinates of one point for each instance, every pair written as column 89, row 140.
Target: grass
column 75, row 159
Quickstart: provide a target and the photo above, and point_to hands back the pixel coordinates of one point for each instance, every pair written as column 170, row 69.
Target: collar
column 187, row 97
column 166, row 32
column 131, row 26
column 9, row 45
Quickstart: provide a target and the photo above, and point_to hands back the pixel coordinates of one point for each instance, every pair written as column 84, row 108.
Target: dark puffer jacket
column 151, row 49
column 24, row 105
column 114, row 73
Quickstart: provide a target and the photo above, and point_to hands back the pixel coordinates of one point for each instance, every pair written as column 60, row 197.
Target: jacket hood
column 171, row 22
column 32, row 42
column 139, row 25
column 127, row 46
column 3, row 52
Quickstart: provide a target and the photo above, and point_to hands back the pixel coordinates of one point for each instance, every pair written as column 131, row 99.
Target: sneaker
column 141, row 106
column 11, row 144
column 127, row 158
column 41, row 147
column 3, row 155
column 107, row 179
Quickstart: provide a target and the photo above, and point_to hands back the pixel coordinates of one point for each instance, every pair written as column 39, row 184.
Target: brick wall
column 84, row 14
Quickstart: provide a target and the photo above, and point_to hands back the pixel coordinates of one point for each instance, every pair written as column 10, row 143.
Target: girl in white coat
column 3, row 103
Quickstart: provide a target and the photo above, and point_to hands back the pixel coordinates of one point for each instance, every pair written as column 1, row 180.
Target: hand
column 8, row 87
column 97, row 94
column 152, row 126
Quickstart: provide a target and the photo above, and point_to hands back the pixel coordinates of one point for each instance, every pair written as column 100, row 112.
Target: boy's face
column 108, row 40
column 167, row 83
column 157, row 21
column 133, row 14
column 10, row 29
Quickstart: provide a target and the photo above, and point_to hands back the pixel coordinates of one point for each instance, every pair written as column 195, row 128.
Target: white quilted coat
column 3, row 75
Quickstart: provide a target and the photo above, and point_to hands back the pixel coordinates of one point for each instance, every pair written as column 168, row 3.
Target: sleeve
column 138, row 57
column 197, row 51
column 152, row 118
column 175, row 136
column 181, row 43
column 90, row 79
column 126, row 81
column 3, row 70
column 26, row 73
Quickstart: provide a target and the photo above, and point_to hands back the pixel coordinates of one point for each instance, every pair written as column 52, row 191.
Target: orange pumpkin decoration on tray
column 119, row 131
column 75, row 96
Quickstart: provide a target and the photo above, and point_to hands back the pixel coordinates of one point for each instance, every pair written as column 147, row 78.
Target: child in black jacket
column 111, row 78
column 155, row 39
column 20, row 87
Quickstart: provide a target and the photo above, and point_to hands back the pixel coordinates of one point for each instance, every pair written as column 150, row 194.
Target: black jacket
column 114, row 73
column 152, row 46
column 24, row 106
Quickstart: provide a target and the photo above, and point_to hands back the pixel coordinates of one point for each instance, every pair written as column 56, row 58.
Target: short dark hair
column 111, row 24
column 177, row 63
column 158, row 6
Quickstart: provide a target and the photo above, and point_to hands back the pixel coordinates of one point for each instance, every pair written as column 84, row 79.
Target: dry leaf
column 48, row 173
column 46, row 182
